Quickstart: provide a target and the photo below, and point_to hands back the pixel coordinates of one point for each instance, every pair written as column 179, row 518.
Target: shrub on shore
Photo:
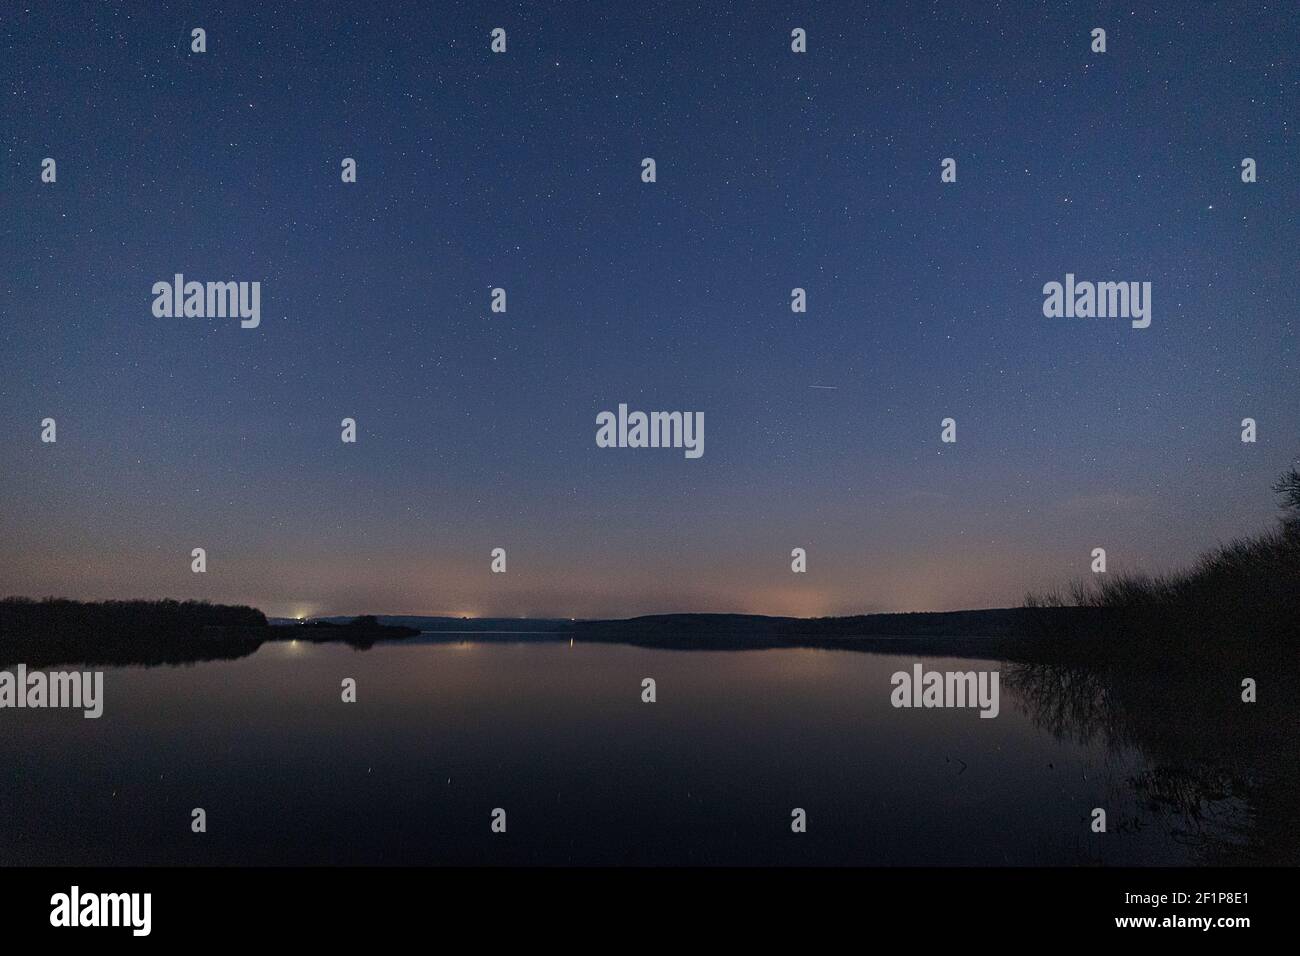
column 1245, row 592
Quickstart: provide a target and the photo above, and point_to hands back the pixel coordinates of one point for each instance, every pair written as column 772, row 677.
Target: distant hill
column 982, row 633
column 994, row 622
column 436, row 624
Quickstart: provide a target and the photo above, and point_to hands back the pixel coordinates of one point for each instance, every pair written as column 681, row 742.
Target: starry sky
column 522, row 170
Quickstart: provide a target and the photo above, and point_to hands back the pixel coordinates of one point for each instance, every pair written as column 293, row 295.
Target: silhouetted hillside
column 981, row 633
column 434, row 624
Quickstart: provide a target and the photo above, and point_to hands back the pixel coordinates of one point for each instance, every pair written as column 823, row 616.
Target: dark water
column 557, row 735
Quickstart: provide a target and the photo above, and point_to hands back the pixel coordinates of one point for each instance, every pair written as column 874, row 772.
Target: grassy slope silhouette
column 1239, row 598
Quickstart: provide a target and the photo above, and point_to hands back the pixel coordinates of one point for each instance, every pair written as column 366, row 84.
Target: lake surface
column 445, row 730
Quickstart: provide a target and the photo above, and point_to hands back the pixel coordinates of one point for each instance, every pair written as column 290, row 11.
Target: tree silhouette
column 1288, row 486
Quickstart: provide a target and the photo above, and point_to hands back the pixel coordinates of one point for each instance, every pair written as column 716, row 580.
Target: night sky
column 522, row 170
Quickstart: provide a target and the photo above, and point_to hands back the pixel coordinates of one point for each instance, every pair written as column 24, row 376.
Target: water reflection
column 1221, row 774
column 444, row 730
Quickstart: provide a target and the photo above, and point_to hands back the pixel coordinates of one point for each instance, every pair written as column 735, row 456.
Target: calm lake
column 445, row 729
